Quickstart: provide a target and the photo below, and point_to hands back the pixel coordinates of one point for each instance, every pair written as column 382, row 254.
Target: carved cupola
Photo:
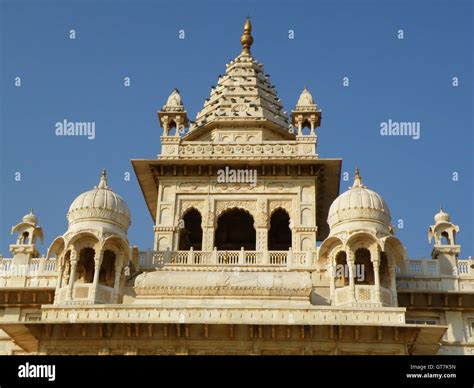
column 306, row 114
column 173, row 115
column 445, row 249
column 28, row 232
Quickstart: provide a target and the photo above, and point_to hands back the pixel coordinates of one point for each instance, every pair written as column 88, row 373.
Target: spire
column 357, row 180
column 246, row 39
column 243, row 93
column 103, row 180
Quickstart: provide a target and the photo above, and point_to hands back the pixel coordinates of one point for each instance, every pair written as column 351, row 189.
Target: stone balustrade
column 36, row 267
column 430, row 268
column 291, row 259
column 365, row 295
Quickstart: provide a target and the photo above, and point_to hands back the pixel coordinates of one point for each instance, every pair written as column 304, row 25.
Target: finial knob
column 357, row 179
column 246, row 39
column 103, row 180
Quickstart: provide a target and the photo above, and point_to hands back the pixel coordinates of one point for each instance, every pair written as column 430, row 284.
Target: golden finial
column 103, row 180
column 246, row 39
column 357, row 179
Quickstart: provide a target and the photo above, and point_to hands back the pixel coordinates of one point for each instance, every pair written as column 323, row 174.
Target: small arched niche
column 85, row 266
column 190, row 235
column 279, row 235
column 107, row 268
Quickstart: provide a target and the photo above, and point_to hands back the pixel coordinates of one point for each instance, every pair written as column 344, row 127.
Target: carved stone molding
column 249, row 206
column 112, row 216
column 198, row 205
column 284, row 204
column 219, row 290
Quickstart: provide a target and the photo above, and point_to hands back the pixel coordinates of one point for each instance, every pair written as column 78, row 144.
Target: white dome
column 441, row 216
column 30, row 218
column 100, row 203
column 359, row 204
column 174, row 102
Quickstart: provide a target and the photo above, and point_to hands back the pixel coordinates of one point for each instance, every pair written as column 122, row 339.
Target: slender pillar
column 178, row 123
column 375, row 258
column 332, row 283
column 72, row 277
column 393, row 285
column 351, row 264
column 97, row 263
column 59, row 282
column 118, row 273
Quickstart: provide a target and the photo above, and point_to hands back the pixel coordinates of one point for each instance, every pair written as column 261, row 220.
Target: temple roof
column 243, row 94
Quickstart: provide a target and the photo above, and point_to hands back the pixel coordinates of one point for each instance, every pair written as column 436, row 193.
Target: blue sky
column 82, row 80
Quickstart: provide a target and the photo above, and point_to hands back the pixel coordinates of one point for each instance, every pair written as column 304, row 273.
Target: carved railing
column 35, row 267
column 430, row 268
column 295, row 259
column 363, row 294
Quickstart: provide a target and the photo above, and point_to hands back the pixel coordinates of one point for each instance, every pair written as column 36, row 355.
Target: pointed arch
column 279, row 234
column 327, row 246
column 190, row 235
column 235, row 229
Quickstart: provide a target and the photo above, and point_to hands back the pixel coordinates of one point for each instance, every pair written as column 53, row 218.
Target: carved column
column 393, row 285
column 59, row 282
column 208, row 225
column 351, row 265
column 72, row 277
column 300, row 125
column 375, row 258
column 116, row 293
column 99, row 254
column 261, row 228
column 177, row 120
column 332, row 282
column 164, row 123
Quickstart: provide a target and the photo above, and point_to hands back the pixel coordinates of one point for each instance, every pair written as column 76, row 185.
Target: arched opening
column 364, row 270
column 85, row 266
column 107, row 269
column 445, row 239
column 384, row 273
column 190, row 234
column 341, row 271
column 235, row 230
column 24, row 238
column 279, row 236
column 67, row 268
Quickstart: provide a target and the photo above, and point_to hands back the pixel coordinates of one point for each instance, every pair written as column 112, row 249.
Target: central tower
column 241, row 183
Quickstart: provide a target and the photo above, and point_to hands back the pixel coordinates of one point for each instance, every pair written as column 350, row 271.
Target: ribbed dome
column 441, row 216
column 30, row 218
column 100, row 203
column 359, row 203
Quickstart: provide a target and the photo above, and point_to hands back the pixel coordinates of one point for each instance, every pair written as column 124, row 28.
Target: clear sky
column 403, row 80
